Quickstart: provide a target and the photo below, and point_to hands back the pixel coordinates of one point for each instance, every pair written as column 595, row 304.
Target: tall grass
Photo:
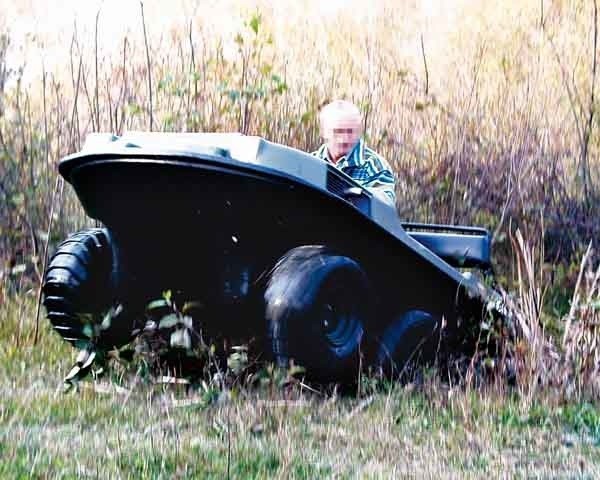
column 485, row 110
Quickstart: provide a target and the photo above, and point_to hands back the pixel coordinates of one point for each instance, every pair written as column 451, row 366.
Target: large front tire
column 317, row 304
column 79, row 288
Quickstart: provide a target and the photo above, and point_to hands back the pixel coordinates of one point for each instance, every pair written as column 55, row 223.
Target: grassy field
column 129, row 427
column 487, row 112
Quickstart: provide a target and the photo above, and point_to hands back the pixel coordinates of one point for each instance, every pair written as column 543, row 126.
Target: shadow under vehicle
column 271, row 241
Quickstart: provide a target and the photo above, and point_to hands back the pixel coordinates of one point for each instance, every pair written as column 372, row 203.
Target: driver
column 344, row 147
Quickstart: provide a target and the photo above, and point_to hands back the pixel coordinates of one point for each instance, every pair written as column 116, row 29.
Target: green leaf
column 255, row 23
column 169, row 321
column 282, row 87
column 187, row 306
column 106, row 321
column 307, row 117
column 133, row 109
column 17, row 269
column 18, row 199
column 237, row 362
column 83, row 364
column 88, row 330
column 296, row 370
column 156, row 304
column 266, row 69
column 113, row 312
column 167, row 296
column 489, row 362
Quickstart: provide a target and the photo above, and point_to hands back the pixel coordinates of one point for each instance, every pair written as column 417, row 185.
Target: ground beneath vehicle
column 271, row 241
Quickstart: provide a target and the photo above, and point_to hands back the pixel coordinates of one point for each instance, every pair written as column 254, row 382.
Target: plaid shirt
column 367, row 168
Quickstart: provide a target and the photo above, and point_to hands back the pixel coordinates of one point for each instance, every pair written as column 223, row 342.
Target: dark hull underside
column 211, row 232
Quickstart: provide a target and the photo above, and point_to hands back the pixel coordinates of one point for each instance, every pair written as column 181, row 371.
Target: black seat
column 461, row 247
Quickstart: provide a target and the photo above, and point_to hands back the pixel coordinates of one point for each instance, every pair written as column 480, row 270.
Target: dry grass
column 568, row 365
column 128, row 427
column 483, row 110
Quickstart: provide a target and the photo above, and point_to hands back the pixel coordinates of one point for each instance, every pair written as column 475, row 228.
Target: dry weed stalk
column 581, row 339
column 531, row 349
column 538, row 360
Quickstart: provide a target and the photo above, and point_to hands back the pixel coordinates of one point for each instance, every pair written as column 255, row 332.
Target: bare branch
column 148, row 66
column 425, row 65
column 584, row 173
column 97, row 107
column 58, row 190
column 570, row 96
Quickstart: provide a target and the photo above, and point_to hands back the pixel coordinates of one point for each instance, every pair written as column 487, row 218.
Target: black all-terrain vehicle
column 271, row 241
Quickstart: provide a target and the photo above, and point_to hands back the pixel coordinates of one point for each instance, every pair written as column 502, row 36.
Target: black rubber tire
column 80, row 280
column 410, row 338
column 317, row 304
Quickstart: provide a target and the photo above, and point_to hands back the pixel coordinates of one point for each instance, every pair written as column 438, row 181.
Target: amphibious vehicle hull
column 210, row 217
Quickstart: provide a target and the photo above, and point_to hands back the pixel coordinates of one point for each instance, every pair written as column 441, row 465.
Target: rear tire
column 79, row 285
column 409, row 339
column 317, row 304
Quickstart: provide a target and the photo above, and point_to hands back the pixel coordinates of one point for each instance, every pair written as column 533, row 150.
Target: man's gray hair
column 338, row 108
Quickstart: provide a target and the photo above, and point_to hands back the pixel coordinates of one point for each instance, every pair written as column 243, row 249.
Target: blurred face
column 341, row 134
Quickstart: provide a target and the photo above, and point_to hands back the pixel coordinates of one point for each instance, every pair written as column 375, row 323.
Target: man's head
column 341, row 127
